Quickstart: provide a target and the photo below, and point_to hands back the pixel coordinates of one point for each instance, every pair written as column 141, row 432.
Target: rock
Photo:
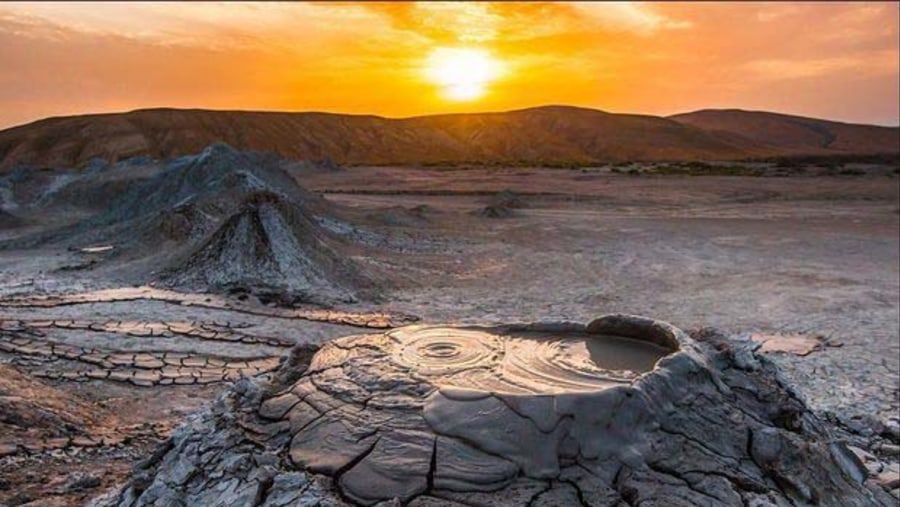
column 508, row 198
column 8, row 449
column 19, row 499
column 862, row 425
column 745, row 359
column 863, row 455
column 624, row 410
column 82, row 482
column 501, row 205
column 869, row 462
column 874, row 468
column 892, row 430
column 889, row 479
column 890, row 450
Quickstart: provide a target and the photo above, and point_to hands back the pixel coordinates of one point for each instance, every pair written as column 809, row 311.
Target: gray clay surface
column 133, row 293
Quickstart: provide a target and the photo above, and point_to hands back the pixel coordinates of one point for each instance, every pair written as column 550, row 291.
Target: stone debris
column 545, row 414
column 891, row 450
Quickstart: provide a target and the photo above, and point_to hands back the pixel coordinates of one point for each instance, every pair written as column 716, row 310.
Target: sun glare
column 462, row 74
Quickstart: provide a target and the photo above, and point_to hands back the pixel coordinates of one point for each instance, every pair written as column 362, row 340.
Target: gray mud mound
column 181, row 224
column 509, row 199
column 221, row 220
column 272, row 246
column 399, row 216
column 494, row 211
column 215, row 180
column 193, row 194
column 622, row 411
column 181, row 200
column 501, row 205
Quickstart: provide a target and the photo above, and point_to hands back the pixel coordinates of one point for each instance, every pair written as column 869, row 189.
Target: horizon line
column 432, row 115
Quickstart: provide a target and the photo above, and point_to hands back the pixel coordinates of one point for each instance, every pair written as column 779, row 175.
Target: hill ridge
column 551, row 134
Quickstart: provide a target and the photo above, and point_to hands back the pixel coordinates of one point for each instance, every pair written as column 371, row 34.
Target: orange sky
column 830, row 60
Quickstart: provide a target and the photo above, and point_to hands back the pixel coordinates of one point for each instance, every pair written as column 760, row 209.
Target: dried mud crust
column 103, row 351
column 374, row 320
column 58, row 448
column 61, row 350
column 710, row 425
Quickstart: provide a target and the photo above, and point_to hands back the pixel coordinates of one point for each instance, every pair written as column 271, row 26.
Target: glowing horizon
column 836, row 61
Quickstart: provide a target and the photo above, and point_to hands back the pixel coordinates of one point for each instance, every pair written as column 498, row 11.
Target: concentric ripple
column 522, row 362
column 446, row 351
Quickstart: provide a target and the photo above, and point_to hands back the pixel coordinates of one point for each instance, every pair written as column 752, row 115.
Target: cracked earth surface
column 361, row 425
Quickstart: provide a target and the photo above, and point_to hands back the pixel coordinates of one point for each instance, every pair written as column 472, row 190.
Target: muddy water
column 537, row 363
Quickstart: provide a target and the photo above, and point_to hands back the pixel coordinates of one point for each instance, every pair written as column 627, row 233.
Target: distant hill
column 796, row 134
column 550, row 134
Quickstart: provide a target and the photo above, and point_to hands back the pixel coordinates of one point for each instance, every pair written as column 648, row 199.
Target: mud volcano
column 622, row 411
column 276, row 245
column 482, row 405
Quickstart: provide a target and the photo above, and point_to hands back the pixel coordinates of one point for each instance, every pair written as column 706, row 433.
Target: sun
column 462, row 73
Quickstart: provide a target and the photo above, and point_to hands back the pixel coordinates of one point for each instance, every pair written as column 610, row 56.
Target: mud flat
column 121, row 292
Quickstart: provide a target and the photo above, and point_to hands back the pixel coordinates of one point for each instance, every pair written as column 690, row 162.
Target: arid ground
column 807, row 265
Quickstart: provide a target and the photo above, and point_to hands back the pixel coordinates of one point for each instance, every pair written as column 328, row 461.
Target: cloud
column 629, row 16
column 878, row 63
column 213, row 25
column 776, row 12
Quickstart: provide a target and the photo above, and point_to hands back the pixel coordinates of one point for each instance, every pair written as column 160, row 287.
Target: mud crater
column 536, row 362
column 394, row 414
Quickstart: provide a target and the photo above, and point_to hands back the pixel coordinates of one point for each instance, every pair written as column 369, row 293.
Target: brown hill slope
column 796, row 134
column 557, row 134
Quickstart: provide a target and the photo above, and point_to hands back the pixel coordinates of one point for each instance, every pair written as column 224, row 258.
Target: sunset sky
column 830, row 60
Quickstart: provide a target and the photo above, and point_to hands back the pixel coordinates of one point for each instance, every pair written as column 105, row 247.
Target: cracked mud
column 405, row 415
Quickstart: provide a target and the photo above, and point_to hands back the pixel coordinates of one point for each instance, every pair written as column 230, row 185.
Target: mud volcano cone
column 622, row 411
column 271, row 245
